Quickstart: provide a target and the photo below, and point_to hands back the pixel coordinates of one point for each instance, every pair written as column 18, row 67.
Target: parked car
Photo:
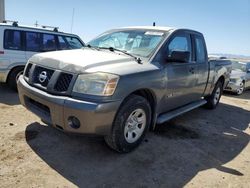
column 123, row 82
column 239, row 78
column 19, row 43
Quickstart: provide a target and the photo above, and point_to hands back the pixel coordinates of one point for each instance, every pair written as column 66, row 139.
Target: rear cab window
column 200, row 49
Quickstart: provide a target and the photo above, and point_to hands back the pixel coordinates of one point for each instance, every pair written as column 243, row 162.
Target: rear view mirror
column 248, row 70
column 179, row 56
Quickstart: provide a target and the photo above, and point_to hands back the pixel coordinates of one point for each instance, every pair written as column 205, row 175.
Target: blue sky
column 224, row 23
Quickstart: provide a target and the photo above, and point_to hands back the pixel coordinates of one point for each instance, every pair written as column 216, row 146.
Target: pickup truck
column 123, row 83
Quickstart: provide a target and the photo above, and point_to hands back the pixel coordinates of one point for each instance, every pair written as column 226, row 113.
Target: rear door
column 180, row 76
column 39, row 42
column 33, row 43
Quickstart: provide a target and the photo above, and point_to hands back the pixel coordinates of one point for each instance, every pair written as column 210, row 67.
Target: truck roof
column 150, row 28
column 159, row 28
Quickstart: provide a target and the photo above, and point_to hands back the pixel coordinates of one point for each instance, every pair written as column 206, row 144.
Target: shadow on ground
column 8, row 96
column 169, row 157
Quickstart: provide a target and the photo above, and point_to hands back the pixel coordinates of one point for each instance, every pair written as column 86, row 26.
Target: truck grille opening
column 63, row 82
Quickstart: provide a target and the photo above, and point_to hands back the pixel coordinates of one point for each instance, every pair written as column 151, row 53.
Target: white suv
column 19, row 43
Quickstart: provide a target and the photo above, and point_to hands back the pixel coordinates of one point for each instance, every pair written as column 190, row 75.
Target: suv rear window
column 49, row 42
column 33, row 41
column 38, row 41
column 12, row 40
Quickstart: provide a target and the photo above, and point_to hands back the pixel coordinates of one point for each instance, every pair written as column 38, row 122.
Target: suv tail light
column 1, row 52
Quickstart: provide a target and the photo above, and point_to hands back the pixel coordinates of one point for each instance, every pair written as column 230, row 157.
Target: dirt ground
column 203, row 148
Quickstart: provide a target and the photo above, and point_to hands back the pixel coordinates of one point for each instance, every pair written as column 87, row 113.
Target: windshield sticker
column 154, row 33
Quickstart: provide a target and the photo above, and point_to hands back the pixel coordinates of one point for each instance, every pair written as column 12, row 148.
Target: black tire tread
column 111, row 139
column 210, row 104
column 12, row 77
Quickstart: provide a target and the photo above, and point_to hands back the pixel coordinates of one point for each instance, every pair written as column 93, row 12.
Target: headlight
column 102, row 84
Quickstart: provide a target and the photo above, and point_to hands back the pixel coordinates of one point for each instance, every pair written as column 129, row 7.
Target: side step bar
column 170, row 115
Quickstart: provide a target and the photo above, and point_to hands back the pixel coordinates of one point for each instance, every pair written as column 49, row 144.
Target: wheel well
column 150, row 97
column 222, row 80
column 13, row 69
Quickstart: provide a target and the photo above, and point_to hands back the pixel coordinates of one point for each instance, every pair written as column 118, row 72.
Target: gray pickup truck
column 123, row 83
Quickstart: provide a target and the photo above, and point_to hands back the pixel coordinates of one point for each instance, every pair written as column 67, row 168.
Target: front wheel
column 130, row 125
column 214, row 99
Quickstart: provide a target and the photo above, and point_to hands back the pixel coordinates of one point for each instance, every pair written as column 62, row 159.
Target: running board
column 170, row 115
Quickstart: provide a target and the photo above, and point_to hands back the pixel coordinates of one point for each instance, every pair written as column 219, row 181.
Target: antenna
column 72, row 20
column 154, row 24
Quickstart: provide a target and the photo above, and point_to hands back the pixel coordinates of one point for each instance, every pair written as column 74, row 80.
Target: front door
column 181, row 76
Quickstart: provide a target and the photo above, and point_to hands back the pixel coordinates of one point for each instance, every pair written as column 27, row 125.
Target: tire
column 214, row 99
column 13, row 77
column 130, row 125
column 240, row 90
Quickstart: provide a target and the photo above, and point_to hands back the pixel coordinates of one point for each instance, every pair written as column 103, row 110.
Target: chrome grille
column 50, row 80
column 42, row 76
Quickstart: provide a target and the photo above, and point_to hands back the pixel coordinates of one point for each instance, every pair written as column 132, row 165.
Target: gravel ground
column 203, row 148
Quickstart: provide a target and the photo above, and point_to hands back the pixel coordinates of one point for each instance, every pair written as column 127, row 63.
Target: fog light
column 74, row 122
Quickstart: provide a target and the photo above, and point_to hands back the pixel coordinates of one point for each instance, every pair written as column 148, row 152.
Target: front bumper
column 95, row 118
column 232, row 86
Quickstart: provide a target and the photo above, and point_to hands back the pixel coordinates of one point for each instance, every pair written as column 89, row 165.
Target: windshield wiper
column 138, row 60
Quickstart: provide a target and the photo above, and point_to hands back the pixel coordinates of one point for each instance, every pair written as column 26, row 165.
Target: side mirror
column 178, row 56
column 248, row 70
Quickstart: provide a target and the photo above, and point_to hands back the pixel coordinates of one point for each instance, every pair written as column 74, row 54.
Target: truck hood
column 90, row 60
column 237, row 74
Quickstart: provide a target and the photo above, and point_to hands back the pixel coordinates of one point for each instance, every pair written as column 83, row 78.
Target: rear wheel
column 214, row 99
column 130, row 125
column 13, row 77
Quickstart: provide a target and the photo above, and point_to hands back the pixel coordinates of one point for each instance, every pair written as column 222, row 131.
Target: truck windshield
column 137, row 42
column 239, row 66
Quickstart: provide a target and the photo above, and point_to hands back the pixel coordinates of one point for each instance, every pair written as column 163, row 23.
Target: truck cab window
column 12, row 40
column 200, row 50
column 179, row 43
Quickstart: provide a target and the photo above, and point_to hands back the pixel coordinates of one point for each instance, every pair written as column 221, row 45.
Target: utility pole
column 2, row 11
column 72, row 20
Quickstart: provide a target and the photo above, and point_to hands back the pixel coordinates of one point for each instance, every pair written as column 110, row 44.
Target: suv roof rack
column 51, row 27
column 14, row 23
